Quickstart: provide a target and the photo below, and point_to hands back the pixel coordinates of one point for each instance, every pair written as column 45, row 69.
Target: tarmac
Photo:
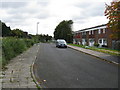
column 19, row 73
column 103, row 56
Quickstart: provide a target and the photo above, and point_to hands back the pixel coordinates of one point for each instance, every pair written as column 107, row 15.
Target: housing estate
column 99, row 35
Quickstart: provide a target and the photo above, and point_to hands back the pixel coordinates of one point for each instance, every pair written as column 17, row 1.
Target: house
column 95, row 35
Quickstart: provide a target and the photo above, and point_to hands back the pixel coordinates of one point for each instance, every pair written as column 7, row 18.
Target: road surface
column 68, row 68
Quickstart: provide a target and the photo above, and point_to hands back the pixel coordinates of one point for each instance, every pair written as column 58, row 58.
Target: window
column 104, row 30
column 92, row 32
column 91, row 40
column 100, row 40
column 99, row 31
column 83, row 33
column 89, row 32
column 104, row 41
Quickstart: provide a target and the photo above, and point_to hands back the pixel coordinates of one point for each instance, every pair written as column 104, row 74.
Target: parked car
column 61, row 43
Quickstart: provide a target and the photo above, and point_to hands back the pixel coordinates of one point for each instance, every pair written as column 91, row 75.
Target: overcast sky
column 24, row 14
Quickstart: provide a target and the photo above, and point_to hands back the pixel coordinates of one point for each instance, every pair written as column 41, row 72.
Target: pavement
column 19, row 70
column 106, row 57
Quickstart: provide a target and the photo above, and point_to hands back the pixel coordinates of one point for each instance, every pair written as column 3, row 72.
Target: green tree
column 64, row 31
column 113, row 14
column 44, row 38
column 5, row 30
column 19, row 33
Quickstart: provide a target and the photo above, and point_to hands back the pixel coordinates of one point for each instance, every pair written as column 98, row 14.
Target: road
column 68, row 68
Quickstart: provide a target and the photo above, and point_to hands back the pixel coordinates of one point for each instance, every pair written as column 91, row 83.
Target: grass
column 11, row 47
column 0, row 60
column 104, row 50
column 0, row 54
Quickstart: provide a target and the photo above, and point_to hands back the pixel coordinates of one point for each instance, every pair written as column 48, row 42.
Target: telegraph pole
column 37, row 28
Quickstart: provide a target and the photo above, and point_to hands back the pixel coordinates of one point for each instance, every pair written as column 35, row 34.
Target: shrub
column 12, row 47
column 29, row 42
column 7, row 49
column 96, row 44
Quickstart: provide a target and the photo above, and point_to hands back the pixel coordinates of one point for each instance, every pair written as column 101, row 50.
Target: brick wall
column 96, row 34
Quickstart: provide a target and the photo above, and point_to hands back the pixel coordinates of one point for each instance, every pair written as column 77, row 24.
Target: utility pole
column 37, row 28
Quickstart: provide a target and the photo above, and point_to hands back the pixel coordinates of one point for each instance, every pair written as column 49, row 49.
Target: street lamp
column 37, row 28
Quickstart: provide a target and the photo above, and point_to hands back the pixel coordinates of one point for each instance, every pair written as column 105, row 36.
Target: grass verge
column 104, row 50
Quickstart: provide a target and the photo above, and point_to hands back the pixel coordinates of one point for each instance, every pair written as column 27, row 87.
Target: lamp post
column 37, row 28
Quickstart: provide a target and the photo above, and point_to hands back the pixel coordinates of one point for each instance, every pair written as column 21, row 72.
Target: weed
column 12, row 47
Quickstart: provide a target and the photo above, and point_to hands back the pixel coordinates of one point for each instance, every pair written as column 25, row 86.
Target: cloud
column 93, row 21
column 24, row 14
column 13, row 5
column 90, row 9
column 43, row 3
column 21, row 13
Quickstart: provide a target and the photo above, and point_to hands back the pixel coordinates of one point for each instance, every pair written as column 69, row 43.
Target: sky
column 25, row 14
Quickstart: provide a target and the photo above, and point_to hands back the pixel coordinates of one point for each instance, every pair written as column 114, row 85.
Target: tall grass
column 12, row 47
column 0, row 53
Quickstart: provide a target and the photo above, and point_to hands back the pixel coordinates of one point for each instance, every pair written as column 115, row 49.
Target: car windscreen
column 62, row 42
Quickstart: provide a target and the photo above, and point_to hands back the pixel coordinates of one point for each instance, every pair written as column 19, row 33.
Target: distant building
column 95, row 35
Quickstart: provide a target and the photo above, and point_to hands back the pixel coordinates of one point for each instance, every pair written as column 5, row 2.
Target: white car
column 61, row 43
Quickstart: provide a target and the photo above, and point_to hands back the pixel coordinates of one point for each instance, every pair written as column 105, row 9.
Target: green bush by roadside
column 96, row 44
column 12, row 47
column 0, row 54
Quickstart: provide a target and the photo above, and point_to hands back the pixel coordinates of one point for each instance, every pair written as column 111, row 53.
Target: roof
column 92, row 28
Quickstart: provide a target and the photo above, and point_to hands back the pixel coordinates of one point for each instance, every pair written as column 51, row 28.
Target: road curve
column 67, row 68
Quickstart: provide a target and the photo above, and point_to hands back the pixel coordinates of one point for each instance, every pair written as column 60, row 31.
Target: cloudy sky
column 24, row 14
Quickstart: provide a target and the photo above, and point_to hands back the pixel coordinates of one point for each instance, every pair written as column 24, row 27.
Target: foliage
column 64, row 31
column 12, row 47
column 44, row 38
column 0, row 53
column 96, row 44
column 5, row 30
column 17, row 42
column 29, row 42
column 19, row 33
column 113, row 14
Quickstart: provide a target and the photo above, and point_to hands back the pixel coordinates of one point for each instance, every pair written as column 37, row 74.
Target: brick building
column 95, row 35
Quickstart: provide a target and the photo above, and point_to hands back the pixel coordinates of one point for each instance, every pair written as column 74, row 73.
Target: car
column 61, row 43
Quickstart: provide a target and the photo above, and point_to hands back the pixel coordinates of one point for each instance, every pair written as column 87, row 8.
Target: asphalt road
column 68, row 68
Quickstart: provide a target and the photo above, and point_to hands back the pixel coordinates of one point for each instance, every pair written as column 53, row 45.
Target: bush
column 96, row 44
column 7, row 49
column 12, row 47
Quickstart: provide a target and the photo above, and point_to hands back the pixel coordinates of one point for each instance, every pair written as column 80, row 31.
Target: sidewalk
column 18, row 74
column 103, row 56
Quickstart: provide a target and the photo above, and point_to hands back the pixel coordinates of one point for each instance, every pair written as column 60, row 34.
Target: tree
column 47, row 37
column 44, row 38
column 64, row 31
column 5, row 30
column 19, row 33
column 113, row 14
